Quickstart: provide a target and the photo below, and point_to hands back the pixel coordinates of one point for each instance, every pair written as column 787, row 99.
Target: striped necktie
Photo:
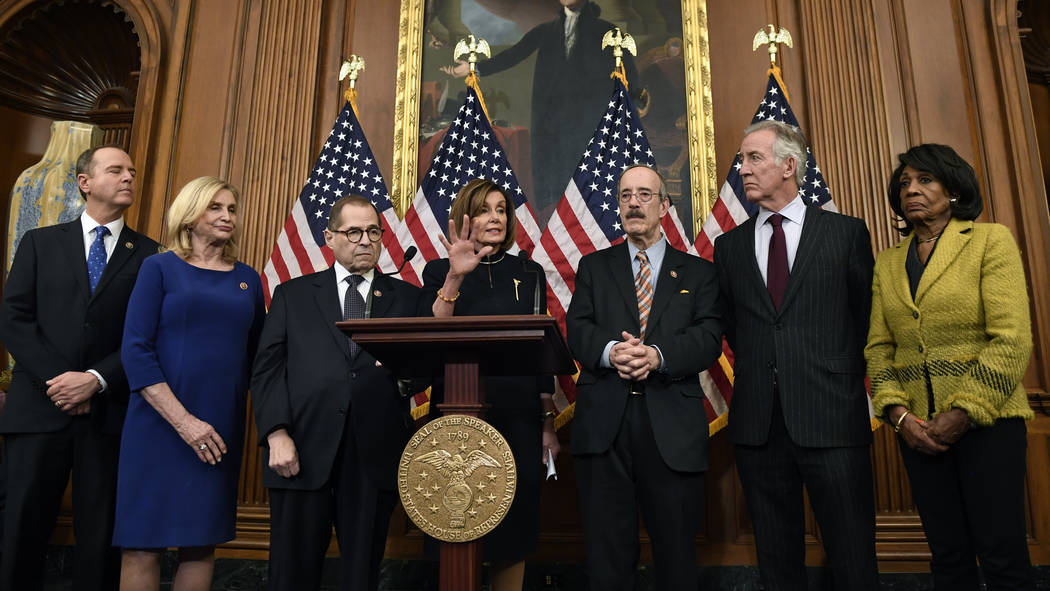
column 643, row 288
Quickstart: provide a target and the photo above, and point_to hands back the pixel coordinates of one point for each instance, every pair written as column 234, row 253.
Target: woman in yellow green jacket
column 949, row 343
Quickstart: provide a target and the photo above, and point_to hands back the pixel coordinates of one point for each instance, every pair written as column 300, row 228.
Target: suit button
column 772, row 365
column 353, row 375
column 88, row 326
column 914, row 314
column 778, row 326
column 342, row 411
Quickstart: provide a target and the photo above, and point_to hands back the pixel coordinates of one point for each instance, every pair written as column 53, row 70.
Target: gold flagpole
column 352, row 68
column 472, row 47
column 619, row 42
column 772, row 38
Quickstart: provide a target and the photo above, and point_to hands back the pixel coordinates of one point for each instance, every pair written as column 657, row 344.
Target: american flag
column 732, row 207
column 469, row 150
column 587, row 217
column 346, row 166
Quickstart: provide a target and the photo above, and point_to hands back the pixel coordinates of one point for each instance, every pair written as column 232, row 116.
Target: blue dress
column 197, row 330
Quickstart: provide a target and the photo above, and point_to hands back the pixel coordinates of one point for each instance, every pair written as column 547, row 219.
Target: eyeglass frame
column 625, row 196
column 364, row 232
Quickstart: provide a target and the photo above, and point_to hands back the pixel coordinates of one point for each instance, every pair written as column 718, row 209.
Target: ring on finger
column 202, row 446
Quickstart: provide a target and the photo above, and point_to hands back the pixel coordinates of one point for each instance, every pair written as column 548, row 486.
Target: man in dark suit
column 570, row 86
column 796, row 283
column 643, row 322
column 330, row 417
column 62, row 320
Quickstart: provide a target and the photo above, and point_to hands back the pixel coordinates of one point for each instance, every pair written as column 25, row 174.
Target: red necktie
column 777, row 265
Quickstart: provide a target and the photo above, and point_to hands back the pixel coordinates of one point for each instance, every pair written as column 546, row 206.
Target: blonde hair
column 471, row 199
column 189, row 205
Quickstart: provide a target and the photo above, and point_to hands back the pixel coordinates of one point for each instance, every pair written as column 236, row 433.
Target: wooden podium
column 464, row 349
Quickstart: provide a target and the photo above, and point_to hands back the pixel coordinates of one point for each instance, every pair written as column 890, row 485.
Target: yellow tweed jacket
column 968, row 327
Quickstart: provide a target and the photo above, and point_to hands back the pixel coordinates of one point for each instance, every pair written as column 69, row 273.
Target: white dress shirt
column 89, row 225
column 794, row 215
column 341, row 273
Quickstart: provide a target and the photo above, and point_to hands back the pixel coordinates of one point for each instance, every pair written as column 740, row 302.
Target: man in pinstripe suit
column 796, row 282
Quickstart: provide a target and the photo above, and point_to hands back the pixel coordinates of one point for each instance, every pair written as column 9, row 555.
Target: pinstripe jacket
column 812, row 349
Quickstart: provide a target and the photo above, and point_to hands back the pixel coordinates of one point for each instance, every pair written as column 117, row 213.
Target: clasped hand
column 936, row 435
column 71, row 391
column 633, row 359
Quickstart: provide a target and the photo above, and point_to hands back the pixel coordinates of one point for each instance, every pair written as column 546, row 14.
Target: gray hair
column 789, row 143
column 663, row 184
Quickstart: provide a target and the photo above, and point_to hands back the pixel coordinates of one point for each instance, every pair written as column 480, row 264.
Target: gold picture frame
column 700, row 120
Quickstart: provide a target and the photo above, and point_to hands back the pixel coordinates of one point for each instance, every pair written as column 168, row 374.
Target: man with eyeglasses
column 331, row 419
column 644, row 321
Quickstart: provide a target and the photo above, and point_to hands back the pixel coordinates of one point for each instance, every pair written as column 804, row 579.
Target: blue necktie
column 96, row 261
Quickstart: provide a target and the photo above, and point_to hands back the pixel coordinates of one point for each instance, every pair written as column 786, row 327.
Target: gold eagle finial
column 472, row 46
column 351, row 67
column 619, row 42
column 773, row 37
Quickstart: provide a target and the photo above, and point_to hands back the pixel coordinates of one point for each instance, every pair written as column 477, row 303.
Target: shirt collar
column 341, row 273
column 794, row 211
column 656, row 251
column 570, row 13
column 88, row 224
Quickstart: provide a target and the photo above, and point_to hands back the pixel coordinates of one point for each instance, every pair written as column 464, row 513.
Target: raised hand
column 461, row 256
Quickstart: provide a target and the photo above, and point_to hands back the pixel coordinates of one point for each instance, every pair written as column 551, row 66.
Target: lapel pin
column 674, row 274
column 244, row 286
column 684, row 291
column 129, row 245
column 377, row 293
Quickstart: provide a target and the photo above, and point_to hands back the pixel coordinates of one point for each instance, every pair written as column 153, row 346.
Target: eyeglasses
column 644, row 196
column 354, row 234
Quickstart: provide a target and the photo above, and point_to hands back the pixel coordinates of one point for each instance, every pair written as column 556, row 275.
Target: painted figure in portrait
column 547, row 82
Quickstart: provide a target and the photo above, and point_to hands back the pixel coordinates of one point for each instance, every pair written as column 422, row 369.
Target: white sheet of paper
column 551, row 470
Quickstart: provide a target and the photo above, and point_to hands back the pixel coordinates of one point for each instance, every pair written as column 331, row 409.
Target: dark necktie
column 777, row 265
column 353, row 308
column 643, row 288
column 96, row 261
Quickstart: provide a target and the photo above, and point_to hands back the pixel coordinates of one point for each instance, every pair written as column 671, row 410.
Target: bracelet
column 550, row 414
column 900, row 421
column 448, row 300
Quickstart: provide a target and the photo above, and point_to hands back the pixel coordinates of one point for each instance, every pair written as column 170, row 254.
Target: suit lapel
column 666, row 285
column 382, row 295
column 76, row 258
column 750, row 227
column 898, row 271
column 127, row 244
column 809, row 244
column 327, row 300
column 623, row 278
column 954, row 238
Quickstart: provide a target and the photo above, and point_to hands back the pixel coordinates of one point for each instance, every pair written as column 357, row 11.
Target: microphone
column 524, row 256
column 409, row 253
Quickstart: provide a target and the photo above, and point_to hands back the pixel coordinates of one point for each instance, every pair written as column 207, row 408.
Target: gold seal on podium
column 457, row 478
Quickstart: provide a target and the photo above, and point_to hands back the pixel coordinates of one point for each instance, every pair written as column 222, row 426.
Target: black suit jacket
column 304, row 379
column 685, row 323
column 814, row 346
column 51, row 323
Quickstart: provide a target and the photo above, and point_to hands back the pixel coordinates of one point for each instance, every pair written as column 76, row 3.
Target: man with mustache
column 796, row 281
column 644, row 321
column 62, row 320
